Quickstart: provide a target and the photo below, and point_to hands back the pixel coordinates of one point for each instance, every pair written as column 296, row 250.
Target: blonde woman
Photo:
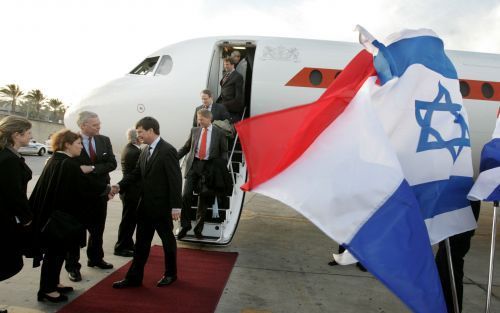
column 15, row 132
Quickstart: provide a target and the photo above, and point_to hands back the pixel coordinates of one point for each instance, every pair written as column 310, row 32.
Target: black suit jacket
column 231, row 93
column 161, row 182
column 105, row 159
column 218, row 146
column 219, row 113
column 129, row 157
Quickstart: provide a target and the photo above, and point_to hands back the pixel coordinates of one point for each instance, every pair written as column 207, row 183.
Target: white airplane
column 281, row 72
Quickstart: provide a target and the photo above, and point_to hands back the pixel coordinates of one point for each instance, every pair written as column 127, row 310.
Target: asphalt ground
column 281, row 267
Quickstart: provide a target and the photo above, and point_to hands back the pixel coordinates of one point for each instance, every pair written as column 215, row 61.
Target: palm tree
column 54, row 104
column 37, row 98
column 61, row 112
column 13, row 92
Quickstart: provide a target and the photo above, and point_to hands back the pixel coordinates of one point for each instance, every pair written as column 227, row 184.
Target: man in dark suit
column 204, row 143
column 130, row 199
column 231, row 94
column 97, row 160
column 219, row 111
column 160, row 176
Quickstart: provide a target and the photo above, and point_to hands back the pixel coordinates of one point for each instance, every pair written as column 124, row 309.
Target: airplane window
column 487, row 90
column 464, row 88
column 165, row 65
column 146, row 67
column 315, row 77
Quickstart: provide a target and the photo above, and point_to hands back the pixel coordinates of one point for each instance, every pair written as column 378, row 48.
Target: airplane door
column 222, row 218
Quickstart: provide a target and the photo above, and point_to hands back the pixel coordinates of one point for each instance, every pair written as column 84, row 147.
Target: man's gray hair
column 236, row 53
column 84, row 116
column 205, row 113
column 132, row 135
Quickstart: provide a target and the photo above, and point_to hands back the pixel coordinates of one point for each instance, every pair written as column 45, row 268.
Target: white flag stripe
column 485, row 184
column 439, row 226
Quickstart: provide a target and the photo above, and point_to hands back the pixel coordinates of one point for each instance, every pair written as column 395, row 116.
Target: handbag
column 62, row 228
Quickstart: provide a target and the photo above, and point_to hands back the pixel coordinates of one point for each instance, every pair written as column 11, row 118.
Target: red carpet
column 202, row 276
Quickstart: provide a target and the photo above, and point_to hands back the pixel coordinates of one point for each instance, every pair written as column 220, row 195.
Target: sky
column 66, row 48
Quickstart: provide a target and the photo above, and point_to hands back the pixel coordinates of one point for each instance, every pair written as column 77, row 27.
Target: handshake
column 113, row 191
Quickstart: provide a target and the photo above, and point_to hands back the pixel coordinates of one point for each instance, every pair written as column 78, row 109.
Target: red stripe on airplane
column 481, row 90
column 304, row 77
column 322, row 78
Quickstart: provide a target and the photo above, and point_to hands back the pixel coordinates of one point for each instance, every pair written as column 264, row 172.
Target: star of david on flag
column 430, row 137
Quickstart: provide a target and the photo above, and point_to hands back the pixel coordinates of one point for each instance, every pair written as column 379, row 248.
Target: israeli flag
column 487, row 186
column 420, row 106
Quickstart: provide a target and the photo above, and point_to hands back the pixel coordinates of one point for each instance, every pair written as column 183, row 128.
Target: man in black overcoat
column 215, row 147
column 98, row 161
column 161, row 184
column 130, row 155
column 231, row 93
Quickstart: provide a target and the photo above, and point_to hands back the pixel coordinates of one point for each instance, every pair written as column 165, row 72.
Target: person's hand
column 115, row 189
column 87, row 168
column 176, row 214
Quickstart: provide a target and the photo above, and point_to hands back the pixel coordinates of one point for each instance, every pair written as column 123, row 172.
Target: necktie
column 203, row 145
column 91, row 151
column 224, row 79
column 149, row 154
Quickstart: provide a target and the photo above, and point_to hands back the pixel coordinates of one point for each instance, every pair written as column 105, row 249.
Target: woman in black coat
column 62, row 186
column 15, row 132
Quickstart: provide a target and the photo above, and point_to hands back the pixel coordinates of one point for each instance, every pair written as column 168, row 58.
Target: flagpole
column 492, row 255
column 452, row 276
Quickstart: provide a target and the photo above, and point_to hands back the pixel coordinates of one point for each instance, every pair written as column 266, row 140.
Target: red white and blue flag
column 383, row 149
column 487, row 186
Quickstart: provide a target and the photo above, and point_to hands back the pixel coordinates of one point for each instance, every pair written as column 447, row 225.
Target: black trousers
column 192, row 179
column 146, row 228
column 53, row 260
column 460, row 245
column 95, row 227
column 130, row 201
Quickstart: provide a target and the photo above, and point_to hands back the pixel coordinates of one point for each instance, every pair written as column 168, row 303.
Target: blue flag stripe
column 394, row 59
column 443, row 196
column 394, row 246
column 490, row 155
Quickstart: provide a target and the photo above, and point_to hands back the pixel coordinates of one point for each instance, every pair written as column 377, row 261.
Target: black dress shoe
column 182, row 233
column 361, row 267
column 100, row 264
column 125, row 253
column 333, row 263
column 42, row 296
column 64, row 289
column 125, row 283
column 75, row 276
column 166, row 280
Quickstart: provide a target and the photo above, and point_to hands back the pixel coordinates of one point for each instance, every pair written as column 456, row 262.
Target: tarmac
column 282, row 266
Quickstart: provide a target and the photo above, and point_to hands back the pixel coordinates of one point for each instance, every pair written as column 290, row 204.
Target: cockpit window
column 146, row 67
column 165, row 65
